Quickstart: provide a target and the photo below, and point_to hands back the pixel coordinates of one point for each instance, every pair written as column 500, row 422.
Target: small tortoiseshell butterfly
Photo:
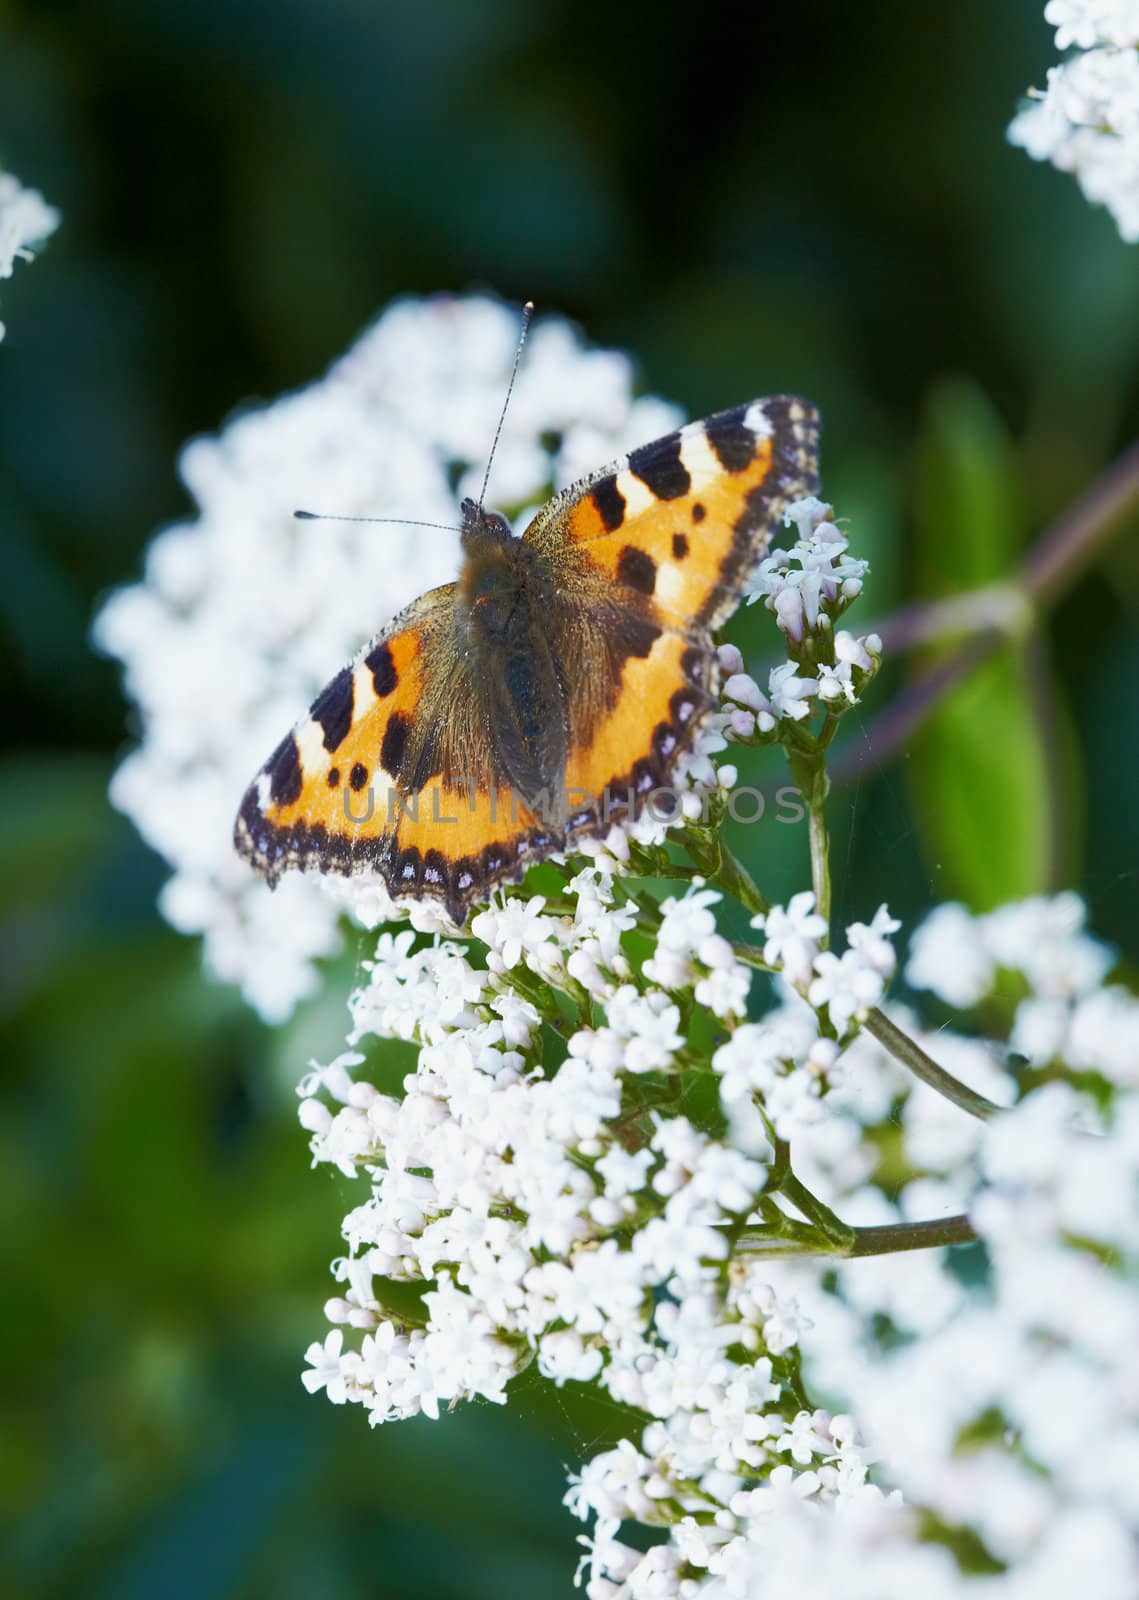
column 552, row 688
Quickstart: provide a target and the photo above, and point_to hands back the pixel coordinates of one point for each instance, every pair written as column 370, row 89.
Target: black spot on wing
column 408, row 870
column 332, row 708
column 358, row 777
column 644, row 777
column 679, row 546
column 692, row 664
column 333, row 777
column 699, row 512
column 380, row 664
column 637, row 569
column 731, row 439
column 683, row 706
column 610, row 503
column 634, row 635
column 435, row 869
column 659, row 466
column 495, row 858
column 395, row 743
column 286, row 779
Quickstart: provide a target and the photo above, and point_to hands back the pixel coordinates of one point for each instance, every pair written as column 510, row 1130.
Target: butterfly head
column 493, row 576
column 483, row 531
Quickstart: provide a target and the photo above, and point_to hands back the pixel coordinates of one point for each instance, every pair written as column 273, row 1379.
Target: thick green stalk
column 809, row 769
column 911, row 1055
column 894, row 1237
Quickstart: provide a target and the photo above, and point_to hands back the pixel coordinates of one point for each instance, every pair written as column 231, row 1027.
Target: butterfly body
column 507, row 610
column 549, row 690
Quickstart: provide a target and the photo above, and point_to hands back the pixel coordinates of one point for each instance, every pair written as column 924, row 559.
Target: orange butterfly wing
column 686, row 518
column 679, row 523
column 337, row 794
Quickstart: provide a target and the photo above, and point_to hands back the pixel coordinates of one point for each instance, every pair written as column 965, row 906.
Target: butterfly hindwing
column 635, row 747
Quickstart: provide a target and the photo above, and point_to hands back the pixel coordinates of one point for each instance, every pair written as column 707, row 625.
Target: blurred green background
column 813, row 197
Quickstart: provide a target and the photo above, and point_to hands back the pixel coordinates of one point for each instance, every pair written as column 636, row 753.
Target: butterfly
column 549, row 691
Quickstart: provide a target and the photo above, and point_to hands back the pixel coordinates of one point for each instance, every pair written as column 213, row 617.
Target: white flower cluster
column 846, row 987
column 727, row 1464
column 1009, row 1412
column 807, row 588
column 530, row 1202
column 1086, row 23
column 26, row 221
column 543, row 1209
column 1087, row 120
column 245, row 613
column 1001, row 1416
column 1069, row 1014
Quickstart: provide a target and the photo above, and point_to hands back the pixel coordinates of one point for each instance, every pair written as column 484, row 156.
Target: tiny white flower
column 515, row 930
column 790, row 694
column 807, row 1436
column 744, row 691
column 872, row 941
column 791, row 936
column 806, row 514
column 836, row 683
column 848, row 985
column 326, row 1368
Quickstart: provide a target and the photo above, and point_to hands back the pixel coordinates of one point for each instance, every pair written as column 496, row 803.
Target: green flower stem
column 809, row 770
column 1078, row 536
column 1001, row 609
column 894, row 1237
column 820, row 862
column 789, row 1239
column 838, row 1233
column 718, row 866
column 735, row 880
column 911, row 1055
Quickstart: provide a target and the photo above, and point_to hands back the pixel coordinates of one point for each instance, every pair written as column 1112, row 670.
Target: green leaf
column 981, row 781
column 992, row 771
column 969, row 504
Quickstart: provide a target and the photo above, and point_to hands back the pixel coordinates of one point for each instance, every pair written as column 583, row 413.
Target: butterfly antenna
column 527, row 314
column 404, row 522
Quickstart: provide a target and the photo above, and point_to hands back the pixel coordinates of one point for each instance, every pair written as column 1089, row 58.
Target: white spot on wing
column 263, row 785
column 637, row 496
column 700, row 461
column 364, row 694
column 669, row 584
column 382, row 787
column 310, row 743
column 756, row 419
